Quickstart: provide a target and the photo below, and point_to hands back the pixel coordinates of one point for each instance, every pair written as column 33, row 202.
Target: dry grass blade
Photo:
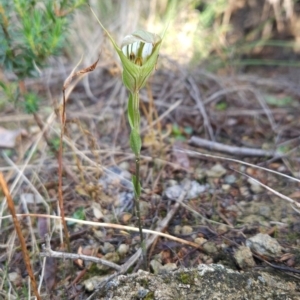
column 195, row 94
column 110, row 225
column 17, row 226
column 286, row 198
column 60, row 153
column 254, row 166
column 197, row 154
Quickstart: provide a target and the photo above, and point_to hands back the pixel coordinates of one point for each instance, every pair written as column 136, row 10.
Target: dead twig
column 109, row 225
column 26, row 257
column 48, row 252
column 195, row 94
column 288, row 199
column 232, row 150
column 60, row 151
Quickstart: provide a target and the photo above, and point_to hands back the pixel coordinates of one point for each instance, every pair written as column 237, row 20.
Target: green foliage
column 130, row 111
column 135, row 141
column 79, row 214
column 136, row 186
column 179, row 133
column 31, row 103
column 55, row 143
column 222, row 105
column 279, row 102
column 30, row 32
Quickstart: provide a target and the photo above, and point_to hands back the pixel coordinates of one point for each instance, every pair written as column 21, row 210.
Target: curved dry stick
column 117, row 226
column 17, row 226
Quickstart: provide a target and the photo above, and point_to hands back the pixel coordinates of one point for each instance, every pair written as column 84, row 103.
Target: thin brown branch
column 48, row 252
column 26, row 257
column 237, row 151
column 195, row 94
column 60, row 151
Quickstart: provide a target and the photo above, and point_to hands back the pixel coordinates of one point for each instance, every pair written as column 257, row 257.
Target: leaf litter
column 220, row 211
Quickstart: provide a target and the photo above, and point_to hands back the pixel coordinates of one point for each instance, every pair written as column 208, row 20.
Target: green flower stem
column 138, row 211
column 138, row 55
column 134, row 120
column 136, row 111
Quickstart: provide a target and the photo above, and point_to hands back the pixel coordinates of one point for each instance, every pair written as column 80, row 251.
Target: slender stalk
column 138, row 212
column 136, row 183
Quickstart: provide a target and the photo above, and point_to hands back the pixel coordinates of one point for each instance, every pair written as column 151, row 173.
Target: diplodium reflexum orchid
column 139, row 46
column 138, row 54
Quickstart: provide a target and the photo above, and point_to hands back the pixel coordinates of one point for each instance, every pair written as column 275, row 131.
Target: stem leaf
column 136, row 186
column 135, row 142
column 130, row 111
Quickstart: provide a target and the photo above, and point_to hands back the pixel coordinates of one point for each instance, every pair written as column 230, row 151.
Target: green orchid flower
column 138, row 54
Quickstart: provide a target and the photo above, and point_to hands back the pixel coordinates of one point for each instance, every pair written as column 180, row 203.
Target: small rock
column 200, row 240
column 91, row 283
column 124, row 165
column 142, row 293
column 97, row 210
column 15, row 277
column 125, row 217
column 111, row 256
column 167, row 268
column 200, row 173
column 226, row 187
column 109, row 218
column 124, row 202
column 117, row 177
column 155, row 265
column 144, row 208
column 243, row 257
column 186, row 230
column 265, row 211
column 222, row 228
column 233, row 208
column 216, row 171
column 264, row 245
column 123, row 249
column 108, row 247
column 244, row 191
column 255, row 187
column 173, row 192
column 230, row 179
column 177, row 229
column 99, row 234
column 254, row 219
column 194, row 190
column 210, row 248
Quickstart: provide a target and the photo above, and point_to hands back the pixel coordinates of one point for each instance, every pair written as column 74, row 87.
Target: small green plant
column 138, row 54
column 30, row 32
